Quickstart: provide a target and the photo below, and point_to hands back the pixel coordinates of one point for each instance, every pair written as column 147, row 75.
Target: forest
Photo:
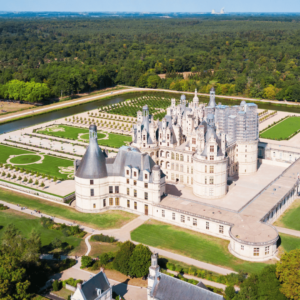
column 44, row 58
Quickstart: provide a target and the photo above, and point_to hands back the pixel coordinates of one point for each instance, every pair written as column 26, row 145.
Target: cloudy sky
column 151, row 5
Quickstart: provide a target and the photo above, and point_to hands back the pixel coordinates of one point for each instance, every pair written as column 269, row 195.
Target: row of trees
column 26, row 91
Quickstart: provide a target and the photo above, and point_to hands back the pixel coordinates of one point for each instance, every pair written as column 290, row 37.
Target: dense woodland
column 251, row 56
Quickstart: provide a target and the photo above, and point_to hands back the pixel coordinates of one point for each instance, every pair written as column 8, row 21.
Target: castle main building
column 200, row 145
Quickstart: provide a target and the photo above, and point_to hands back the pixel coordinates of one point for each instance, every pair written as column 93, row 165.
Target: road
column 32, row 112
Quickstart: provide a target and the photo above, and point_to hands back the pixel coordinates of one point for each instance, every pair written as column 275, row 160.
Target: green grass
column 115, row 140
column 49, row 166
column 192, row 244
column 283, row 129
column 6, row 151
column 106, row 220
column 289, row 242
column 70, row 132
column 25, row 159
column 26, row 223
column 290, row 218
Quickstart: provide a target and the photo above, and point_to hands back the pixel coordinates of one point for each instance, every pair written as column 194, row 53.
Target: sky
column 194, row 6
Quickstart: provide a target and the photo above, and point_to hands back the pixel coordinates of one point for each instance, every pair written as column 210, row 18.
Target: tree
column 287, row 271
column 140, row 261
column 56, row 243
column 104, row 259
column 229, row 292
column 121, row 261
column 56, row 285
column 269, row 92
column 86, row 261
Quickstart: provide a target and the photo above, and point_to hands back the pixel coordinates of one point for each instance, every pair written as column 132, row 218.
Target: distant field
column 81, row 134
column 282, row 130
column 50, row 165
column 289, row 242
column 6, row 107
column 192, row 244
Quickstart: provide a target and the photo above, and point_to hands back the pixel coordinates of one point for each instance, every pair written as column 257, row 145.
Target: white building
column 200, row 145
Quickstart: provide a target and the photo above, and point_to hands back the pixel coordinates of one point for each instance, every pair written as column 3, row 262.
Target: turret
column 156, row 184
column 153, row 272
column 195, row 100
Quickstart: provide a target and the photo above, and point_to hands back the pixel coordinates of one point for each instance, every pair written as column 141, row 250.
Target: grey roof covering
column 93, row 164
column 130, row 156
column 169, row 288
column 89, row 288
column 182, row 97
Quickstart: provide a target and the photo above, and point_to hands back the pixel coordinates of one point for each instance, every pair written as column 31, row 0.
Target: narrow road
column 123, row 234
column 32, row 112
column 288, row 231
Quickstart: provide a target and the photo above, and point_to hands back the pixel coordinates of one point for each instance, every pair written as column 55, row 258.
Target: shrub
column 86, row 261
column 96, row 265
column 103, row 238
column 229, row 292
column 140, row 261
column 178, row 268
column 121, row 261
column 104, row 259
column 170, row 266
column 56, row 285
column 30, row 180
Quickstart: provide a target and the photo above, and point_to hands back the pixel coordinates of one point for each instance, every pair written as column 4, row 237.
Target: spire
column 212, row 101
column 196, row 99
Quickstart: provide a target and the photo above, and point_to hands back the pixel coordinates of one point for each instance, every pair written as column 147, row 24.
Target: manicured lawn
column 283, row 129
column 6, row 151
column 192, row 244
column 115, row 140
column 290, row 218
column 99, row 248
column 50, row 165
column 70, row 132
column 289, row 242
column 26, row 223
column 106, row 220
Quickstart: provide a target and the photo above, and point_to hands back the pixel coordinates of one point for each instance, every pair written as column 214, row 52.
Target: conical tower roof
column 92, row 165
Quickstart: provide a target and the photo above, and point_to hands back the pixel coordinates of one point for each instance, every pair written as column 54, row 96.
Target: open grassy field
column 106, row 220
column 99, row 248
column 7, row 107
column 290, row 218
column 81, row 134
column 50, row 165
column 192, row 244
column 282, row 130
column 289, row 242
column 26, row 223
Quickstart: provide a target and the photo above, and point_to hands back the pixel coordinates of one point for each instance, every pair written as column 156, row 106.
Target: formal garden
column 282, row 130
column 25, row 162
column 82, row 135
column 199, row 246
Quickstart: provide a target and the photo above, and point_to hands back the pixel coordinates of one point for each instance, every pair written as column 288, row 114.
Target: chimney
column 102, row 269
column 142, row 162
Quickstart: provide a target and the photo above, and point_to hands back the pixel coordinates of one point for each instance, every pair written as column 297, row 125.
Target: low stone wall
column 70, row 287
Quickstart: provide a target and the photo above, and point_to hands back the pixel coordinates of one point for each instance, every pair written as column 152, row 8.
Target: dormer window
column 134, row 173
column 193, row 141
column 168, row 136
column 212, row 149
column 91, row 181
column 211, row 157
column 146, row 176
column 144, row 138
column 127, row 172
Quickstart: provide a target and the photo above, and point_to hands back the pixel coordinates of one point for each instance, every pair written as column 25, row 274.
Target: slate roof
column 89, row 288
column 170, row 288
column 92, row 165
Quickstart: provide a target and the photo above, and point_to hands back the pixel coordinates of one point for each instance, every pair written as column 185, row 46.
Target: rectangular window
column 94, row 205
column 135, row 205
column 111, row 201
column 172, row 176
column 207, row 225
column 92, row 192
column 116, row 189
column 211, row 157
column 146, row 196
column 135, row 193
column 91, row 181
column 104, row 202
column 182, row 218
column 177, row 167
column 255, row 251
column 173, row 216
column 205, row 180
column 181, row 168
column 242, row 247
column 117, row 201
column 134, row 183
column 145, row 185
column 192, row 170
column 128, row 203
column 146, row 176
column 193, row 141
column 127, row 181
column 211, row 180
column 267, row 250
column 187, row 169
column 188, row 218
column 134, row 174
column 188, row 159
column 205, row 169
column 172, row 166
column 163, row 213
column 195, row 222
column 111, row 189
column 221, row 229
column 211, row 149
column 211, row 169
column 127, row 172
